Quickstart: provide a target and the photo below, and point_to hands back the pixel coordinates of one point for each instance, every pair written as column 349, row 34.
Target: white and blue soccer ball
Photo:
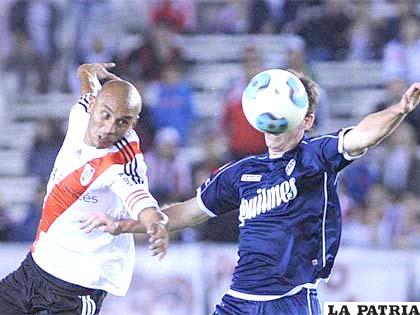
column 275, row 101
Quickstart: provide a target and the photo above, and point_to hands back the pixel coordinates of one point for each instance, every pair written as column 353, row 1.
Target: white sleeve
column 131, row 186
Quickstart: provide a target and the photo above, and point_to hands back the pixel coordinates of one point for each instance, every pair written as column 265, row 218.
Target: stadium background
column 190, row 59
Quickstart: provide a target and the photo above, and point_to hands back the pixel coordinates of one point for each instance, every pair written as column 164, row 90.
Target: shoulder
column 83, row 102
column 313, row 140
column 233, row 169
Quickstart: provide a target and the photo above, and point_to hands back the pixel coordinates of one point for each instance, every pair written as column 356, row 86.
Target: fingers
column 159, row 240
column 413, row 90
column 90, row 222
column 112, row 76
column 159, row 247
column 107, row 65
column 85, row 223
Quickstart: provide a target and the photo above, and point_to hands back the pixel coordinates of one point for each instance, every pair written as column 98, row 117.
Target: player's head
column 283, row 140
column 115, row 110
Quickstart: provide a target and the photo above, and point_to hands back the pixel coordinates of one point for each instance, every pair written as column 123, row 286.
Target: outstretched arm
column 151, row 221
column 90, row 75
column 181, row 215
column 377, row 126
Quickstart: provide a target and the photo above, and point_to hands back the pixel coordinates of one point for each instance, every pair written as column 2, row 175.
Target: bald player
column 99, row 168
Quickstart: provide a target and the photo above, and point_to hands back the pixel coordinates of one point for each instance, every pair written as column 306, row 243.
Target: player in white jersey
column 99, row 168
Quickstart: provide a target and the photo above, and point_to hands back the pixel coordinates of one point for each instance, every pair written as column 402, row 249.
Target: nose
column 110, row 127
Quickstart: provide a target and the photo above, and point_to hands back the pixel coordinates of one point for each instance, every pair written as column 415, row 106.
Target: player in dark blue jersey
column 289, row 212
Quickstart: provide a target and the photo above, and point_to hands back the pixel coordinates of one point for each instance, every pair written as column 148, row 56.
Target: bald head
column 123, row 93
column 112, row 113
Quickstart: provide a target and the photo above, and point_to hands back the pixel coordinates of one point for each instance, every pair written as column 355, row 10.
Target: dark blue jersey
column 289, row 214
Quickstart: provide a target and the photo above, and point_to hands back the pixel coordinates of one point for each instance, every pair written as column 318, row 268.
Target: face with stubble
column 112, row 113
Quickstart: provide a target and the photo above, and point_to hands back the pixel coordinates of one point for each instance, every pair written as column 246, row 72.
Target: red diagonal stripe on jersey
column 69, row 189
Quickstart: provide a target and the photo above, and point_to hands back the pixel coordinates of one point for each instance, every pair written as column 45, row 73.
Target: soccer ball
column 275, row 101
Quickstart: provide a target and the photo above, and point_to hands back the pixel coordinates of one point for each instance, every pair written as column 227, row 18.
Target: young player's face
column 109, row 120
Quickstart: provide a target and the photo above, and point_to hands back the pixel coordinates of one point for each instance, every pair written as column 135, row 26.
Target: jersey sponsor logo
column 290, row 167
column 251, row 178
column 87, row 174
column 267, row 199
column 87, row 198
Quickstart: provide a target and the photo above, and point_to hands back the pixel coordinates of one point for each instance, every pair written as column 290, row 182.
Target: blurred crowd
column 44, row 42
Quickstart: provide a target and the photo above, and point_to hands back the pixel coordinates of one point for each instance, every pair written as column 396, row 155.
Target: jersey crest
column 290, row 167
column 87, row 175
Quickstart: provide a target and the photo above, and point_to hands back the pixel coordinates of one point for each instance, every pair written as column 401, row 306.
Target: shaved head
column 123, row 93
column 113, row 112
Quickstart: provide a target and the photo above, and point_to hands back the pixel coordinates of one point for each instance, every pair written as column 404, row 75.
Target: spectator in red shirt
column 243, row 139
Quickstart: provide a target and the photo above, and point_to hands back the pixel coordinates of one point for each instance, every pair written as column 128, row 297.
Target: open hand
column 159, row 239
column 99, row 70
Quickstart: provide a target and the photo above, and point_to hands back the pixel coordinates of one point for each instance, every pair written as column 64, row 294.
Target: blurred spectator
column 175, row 12
column 383, row 217
column 230, row 19
column 387, row 17
column 409, row 234
column 400, row 59
column 89, row 28
column 212, row 158
column 158, row 47
column 267, row 16
column 356, row 231
column 98, row 50
column 394, row 89
column 48, row 138
column 400, row 166
column 327, row 35
column 169, row 173
column 25, row 230
column 361, row 35
column 21, row 61
column 171, row 102
column 145, row 127
column 34, row 25
column 243, row 138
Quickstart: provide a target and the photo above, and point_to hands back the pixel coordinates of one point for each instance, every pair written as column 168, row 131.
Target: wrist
column 400, row 109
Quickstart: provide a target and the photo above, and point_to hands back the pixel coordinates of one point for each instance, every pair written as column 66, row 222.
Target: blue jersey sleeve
column 219, row 193
column 329, row 152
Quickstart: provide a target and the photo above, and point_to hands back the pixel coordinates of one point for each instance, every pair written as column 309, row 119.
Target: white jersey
column 89, row 180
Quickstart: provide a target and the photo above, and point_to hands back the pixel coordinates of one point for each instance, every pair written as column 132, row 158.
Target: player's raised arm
column 377, row 126
column 91, row 74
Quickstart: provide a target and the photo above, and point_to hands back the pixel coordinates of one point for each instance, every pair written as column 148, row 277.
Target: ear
column 92, row 102
column 308, row 121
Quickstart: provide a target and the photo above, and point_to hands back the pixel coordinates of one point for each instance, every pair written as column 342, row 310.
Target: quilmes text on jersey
column 267, row 199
